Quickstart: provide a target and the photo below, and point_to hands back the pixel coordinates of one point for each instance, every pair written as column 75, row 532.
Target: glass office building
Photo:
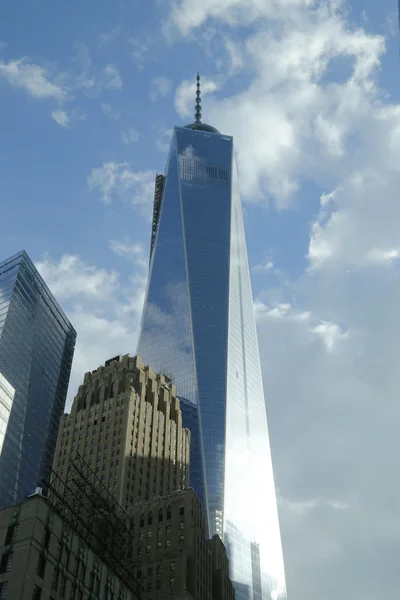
column 36, row 349
column 198, row 328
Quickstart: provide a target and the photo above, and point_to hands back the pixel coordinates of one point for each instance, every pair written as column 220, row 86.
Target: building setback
column 126, row 423
column 36, row 348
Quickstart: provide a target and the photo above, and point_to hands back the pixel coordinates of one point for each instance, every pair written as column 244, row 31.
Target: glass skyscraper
column 36, row 348
column 198, row 328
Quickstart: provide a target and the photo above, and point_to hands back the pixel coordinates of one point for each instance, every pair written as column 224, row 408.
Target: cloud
column 104, row 308
column 61, row 117
column 130, row 135
column 133, row 252
column 109, row 36
column 185, row 95
column 118, row 181
column 311, row 81
column 163, row 143
column 267, row 266
column 109, row 111
column 159, row 88
column 72, row 278
column 110, row 78
column 312, row 126
column 31, row 78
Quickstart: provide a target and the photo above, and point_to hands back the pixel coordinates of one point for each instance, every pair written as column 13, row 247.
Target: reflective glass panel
column 36, row 349
column 198, row 325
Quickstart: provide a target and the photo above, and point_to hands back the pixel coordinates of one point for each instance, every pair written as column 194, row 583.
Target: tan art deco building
column 126, row 422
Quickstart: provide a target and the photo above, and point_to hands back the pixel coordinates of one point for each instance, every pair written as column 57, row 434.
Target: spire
column 197, row 114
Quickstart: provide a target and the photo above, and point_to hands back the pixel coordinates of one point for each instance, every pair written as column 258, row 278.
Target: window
column 159, row 544
column 149, row 533
column 37, row 593
column 148, row 547
column 54, row 583
column 12, row 533
column 112, row 391
column 3, row 589
column 65, row 560
column 150, row 519
column 141, row 535
column 41, row 566
column 62, row 586
column 168, row 513
column 6, row 561
column 159, row 569
column 167, row 543
column 98, row 393
column 158, row 585
column 171, row 580
column 160, row 515
column 149, row 586
column 181, row 539
column 172, row 565
column 182, row 511
column 149, row 571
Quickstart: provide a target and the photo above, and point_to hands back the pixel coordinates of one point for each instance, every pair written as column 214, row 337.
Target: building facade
column 126, row 423
column 172, row 550
column 42, row 558
column 36, row 348
column 198, row 327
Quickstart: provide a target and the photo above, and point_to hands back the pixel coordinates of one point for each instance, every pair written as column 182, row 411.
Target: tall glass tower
column 36, row 348
column 198, row 328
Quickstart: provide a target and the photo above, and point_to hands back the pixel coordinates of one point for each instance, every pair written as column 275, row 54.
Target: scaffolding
column 158, row 194
column 92, row 512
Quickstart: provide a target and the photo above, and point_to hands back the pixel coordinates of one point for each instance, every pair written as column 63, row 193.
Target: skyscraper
column 198, row 328
column 36, row 349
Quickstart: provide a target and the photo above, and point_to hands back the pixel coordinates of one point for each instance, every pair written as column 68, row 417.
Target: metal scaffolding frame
column 85, row 504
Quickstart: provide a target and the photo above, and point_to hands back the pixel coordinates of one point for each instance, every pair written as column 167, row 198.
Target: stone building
column 171, row 549
column 126, row 422
column 42, row 558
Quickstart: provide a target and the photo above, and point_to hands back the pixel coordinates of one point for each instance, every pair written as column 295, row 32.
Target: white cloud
column 32, row 78
column 105, row 179
column 311, row 84
column 61, row 117
column 130, row 135
column 185, row 95
column 159, row 88
column 109, row 111
column 117, row 180
column 104, row 310
column 267, row 266
column 311, row 111
column 131, row 251
column 163, row 143
column 110, row 36
column 72, row 278
column 110, row 78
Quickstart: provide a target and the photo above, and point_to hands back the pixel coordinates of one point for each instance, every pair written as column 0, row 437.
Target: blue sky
column 89, row 94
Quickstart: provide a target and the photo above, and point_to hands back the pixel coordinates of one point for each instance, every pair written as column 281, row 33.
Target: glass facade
column 198, row 328
column 36, row 348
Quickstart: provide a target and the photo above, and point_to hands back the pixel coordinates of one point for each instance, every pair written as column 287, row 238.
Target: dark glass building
column 198, row 328
column 36, row 349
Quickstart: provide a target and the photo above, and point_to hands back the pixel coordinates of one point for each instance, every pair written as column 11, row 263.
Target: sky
column 310, row 89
